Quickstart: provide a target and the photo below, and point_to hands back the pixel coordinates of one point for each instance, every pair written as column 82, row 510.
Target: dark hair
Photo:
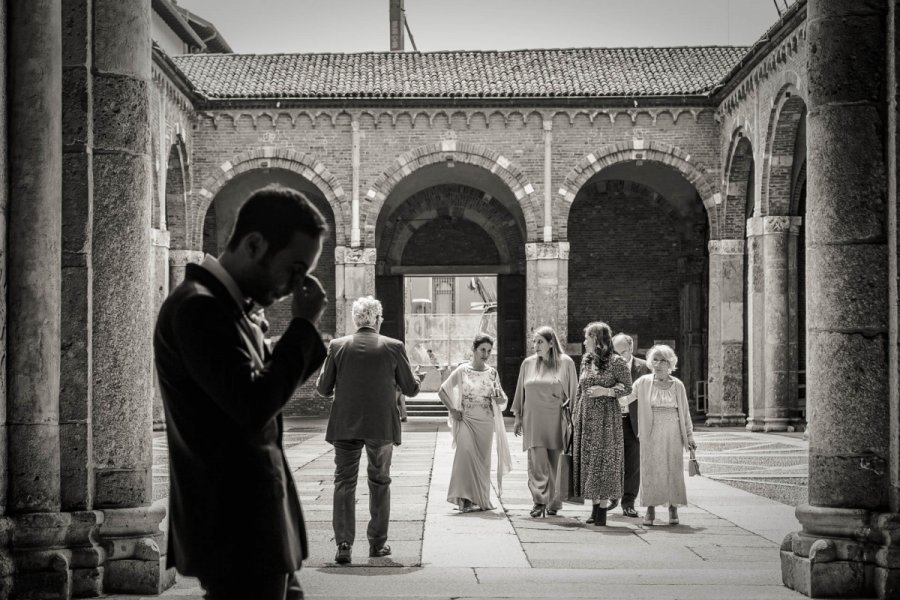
column 602, row 334
column 482, row 338
column 277, row 213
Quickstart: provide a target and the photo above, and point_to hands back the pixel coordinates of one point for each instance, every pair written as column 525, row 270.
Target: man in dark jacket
column 235, row 520
column 624, row 346
column 363, row 371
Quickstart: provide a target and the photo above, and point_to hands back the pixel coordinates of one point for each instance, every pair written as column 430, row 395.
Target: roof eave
column 173, row 18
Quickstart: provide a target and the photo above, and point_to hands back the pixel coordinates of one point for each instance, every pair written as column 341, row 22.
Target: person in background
column 547, row 382
column 475, row 400
column 666, row 431
column 624, row 346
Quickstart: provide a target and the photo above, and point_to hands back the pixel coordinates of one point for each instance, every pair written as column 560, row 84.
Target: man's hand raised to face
column 309, row 299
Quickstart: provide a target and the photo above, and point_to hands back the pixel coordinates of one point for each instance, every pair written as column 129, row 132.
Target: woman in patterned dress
column 547, row 382
column 664, row 421
column 473, row 395
column 598, row 450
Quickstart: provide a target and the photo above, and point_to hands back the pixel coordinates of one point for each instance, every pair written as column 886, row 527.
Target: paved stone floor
column 726, row 546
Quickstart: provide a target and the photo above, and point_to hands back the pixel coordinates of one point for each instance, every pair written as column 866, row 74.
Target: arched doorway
column 450, row 241
column 217, row 225
column 638, row 235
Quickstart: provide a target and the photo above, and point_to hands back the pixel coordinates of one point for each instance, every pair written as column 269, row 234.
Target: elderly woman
column 666, row 431
column 547, row 381
column 597, row 451
column 475, row 399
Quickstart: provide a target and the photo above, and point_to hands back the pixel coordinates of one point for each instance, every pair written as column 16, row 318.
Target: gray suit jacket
column 363, row 371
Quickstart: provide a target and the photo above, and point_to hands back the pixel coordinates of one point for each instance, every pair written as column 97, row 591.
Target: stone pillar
column 122, row 320
column 6, row 563
column 547, row 288
column 33, row 323
column 159, row 276
column 178, row 260
column 780, row 386
column 354, row 196
column 548, row 183
column 726, row 334
column 849, row 543
column 354, row 276
column 756, row 317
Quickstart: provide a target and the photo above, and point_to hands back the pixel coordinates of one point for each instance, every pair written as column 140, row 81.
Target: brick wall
column 624, row 266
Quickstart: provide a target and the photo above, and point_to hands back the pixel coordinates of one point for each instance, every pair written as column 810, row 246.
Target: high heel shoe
column 673, row 515
column 551, row 512
column 650, row 516
column 539, row 510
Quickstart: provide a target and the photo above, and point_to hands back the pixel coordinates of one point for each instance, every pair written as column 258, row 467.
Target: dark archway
column 638, row 234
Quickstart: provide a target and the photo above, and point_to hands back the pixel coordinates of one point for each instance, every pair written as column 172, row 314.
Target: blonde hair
column 665, row 352
column 553, row 357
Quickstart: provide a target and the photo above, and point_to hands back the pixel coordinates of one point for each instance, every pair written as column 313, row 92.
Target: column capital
column 773, row 224
column 344, row 255
column 547, row 250
column 548, row 125
column 726, row 247
column 180, row 258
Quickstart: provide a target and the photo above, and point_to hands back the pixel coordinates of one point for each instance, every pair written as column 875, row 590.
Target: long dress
column 470, row 478
column 662, row 456
column 598, row 447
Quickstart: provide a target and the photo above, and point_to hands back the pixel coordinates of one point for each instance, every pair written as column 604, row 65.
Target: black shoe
column 628, row 511
column 613, row 504
column 379, row 552
column 551, row 512
column 343, row 553
column 539, row 510
column 600, row 516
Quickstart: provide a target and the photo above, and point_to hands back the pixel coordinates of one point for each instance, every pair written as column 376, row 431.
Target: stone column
column 354, row 196
column 780, row 386
column 725, row 372
column 849, row 543
column 33, row 323
column 6, row 563
column 756, row 316
column 547, row 285
column 354, row 276
column 122, row 322
column 178, row 260
column 548, row 184
column 159, row 277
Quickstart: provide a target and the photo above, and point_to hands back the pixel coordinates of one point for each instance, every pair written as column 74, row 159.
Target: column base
column 776, row 424
column 755, row 425
column 843, row 553
column 135, row 543
column 726, row 420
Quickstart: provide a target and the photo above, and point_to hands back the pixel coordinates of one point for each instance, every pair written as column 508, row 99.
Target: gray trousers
column 543, row 464
column 346, row 471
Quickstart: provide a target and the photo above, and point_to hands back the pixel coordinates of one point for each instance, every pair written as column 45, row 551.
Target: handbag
column 564, row 479
column 693, row 465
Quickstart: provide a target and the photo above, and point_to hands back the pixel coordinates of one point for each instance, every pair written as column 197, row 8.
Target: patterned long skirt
column 597, row 452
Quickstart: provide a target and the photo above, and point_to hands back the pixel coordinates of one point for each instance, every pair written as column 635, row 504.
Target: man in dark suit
column 363, row 371
column 624, row 346
column 235, row 520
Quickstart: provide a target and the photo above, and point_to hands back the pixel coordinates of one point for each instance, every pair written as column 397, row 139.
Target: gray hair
column 624, row 336
column 665, row 352
column 366, row 311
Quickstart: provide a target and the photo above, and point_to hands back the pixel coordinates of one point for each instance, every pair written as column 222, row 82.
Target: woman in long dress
column 664, row 421
column 598, row 448
column 547, row 381
column 475, row 400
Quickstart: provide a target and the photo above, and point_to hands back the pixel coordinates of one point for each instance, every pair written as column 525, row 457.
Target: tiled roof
column 574, row 72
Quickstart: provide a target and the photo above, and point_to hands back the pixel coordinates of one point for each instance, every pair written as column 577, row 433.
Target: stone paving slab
column 726, row 546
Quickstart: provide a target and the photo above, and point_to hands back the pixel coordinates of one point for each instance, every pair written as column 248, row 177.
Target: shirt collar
column 211, row 264
column 630, row 361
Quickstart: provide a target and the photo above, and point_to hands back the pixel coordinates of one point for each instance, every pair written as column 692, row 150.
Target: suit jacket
column 363, row 371
column 233, row 503
column 639, row 368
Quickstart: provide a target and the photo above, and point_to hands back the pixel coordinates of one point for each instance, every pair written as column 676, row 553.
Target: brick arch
column 300, row 163
column 738, row 167
column 648, row 151
column 460, row 152
column 778, row 159
column 456, row 201
column 175, row 217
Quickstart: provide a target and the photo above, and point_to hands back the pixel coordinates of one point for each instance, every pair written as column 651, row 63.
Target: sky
column 271, row 26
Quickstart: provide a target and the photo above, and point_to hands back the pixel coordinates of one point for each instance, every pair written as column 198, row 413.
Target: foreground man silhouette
column 235, row 521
